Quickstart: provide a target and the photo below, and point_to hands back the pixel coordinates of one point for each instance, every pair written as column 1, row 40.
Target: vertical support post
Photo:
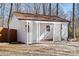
column 61, row 31
column 27, row 33
column 52, row 31
column 38, row 32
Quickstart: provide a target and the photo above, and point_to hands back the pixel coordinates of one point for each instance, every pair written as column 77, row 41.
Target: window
column 47, row 27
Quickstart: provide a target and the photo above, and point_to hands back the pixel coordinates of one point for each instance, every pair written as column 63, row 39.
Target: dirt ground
column 41, row 49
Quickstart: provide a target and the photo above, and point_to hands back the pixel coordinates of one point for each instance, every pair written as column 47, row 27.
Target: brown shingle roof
column 37, row 17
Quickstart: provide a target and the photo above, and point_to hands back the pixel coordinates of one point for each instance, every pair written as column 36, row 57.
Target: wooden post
column 27, row 33
column 38, row 32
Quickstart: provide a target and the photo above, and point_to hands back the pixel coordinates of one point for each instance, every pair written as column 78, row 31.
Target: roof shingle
column 37, row 17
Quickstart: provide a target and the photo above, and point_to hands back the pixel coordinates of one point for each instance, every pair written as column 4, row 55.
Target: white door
column 64, row 31
column 57, row 32
column 32, row 32
column 29, row 32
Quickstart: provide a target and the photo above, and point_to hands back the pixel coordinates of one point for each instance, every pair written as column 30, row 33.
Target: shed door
column 29, row 33
column 57, row 32
column 64, row 31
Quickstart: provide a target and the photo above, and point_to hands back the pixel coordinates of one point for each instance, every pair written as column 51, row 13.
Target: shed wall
column 19, row 26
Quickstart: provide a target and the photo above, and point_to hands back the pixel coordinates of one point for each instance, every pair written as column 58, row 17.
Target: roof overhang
column 37, row 17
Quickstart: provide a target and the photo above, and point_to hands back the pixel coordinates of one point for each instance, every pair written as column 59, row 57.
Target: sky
column 66, row 7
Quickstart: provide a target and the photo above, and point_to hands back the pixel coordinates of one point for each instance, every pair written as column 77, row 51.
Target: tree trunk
column 43, row 9
column 8, row 22
column 57, row 9
column 73, row 21
column 49, row 9
column 2, row 13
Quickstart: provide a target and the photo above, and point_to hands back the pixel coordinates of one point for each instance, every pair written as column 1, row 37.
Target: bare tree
column 17, row 7
column 2, row 12
column 36, row 8
column 43, row 5
column 28, row 9
column 49, row 9
column 73, row 21
column 8, row 22
column 61, row 13
column 57, row 9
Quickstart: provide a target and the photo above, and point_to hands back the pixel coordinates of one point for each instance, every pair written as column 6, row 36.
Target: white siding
column 22, row 31
column 20, row 27
column 22, row 36
column 1, row 22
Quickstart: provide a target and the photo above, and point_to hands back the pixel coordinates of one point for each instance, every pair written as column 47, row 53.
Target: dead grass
column 46, row 49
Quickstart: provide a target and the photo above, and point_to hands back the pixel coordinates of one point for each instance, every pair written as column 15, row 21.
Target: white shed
column 32, row 28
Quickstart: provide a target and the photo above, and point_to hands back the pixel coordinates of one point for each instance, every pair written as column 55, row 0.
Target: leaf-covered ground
column 41, row 49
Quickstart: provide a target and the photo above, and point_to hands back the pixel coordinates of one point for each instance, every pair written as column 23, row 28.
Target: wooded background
column 50, row 9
